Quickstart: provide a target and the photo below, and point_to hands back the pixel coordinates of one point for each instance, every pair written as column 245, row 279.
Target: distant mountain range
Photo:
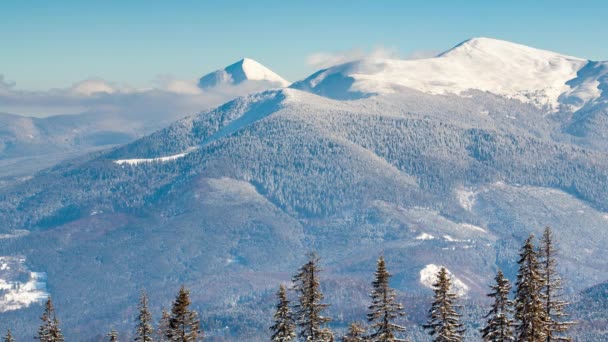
column 448, row 161
column 29, row 144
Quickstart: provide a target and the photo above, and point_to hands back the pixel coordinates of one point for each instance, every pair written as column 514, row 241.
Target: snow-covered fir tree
column 384, row 310
column 113, row 336
column 356, row 333
column 49, row 330
column 555, row 306
column 499, row 326
column 308, row 312
column 184, row 324
column 284, row 328
column 530, row 315
column 163, row 327
column 444, row 322
column 9, row 336
column 144, row 332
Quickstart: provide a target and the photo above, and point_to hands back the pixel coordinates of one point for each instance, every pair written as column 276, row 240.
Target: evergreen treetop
column 384, row 309
column 49, row 330
column 499, row 325
column 309, row 309
column 531, row 317
column 144, row 331
column 184, row 325
column 284, row 327
column 444, row 322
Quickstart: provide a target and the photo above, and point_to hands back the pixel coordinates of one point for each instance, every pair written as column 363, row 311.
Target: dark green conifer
column 144, row 331
column 9, row 336
column 113, row 336
column 284, row 327
column 49, row 331
column 444, row 322
column 163, row 327
column 384, row 309
column 310, row 306
column 499, row 326
column 530, row 315
column 184, row 325
column 356, row 333
column 555, row 306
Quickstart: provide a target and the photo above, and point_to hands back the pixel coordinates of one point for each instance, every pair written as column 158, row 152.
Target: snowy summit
column 515, row 71
column 244, row 70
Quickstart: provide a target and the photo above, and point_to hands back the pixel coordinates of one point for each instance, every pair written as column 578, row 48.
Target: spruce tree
column 144, row 331
column 113, row 336
column 530, row 315
column 444, row 322
column 163, row 327
column 356, row 333
column 384, row 309
column 9, row 336
column 184, row 325
column 310, row 306
column 552, row 290
column 49, row 331
column 499, row 326
column 284, row 327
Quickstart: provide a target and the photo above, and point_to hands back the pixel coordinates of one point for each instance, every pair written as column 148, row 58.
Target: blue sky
column 54, row 44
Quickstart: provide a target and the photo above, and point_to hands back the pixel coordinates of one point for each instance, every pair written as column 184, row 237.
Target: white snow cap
column 515, row 71
column 244, row 70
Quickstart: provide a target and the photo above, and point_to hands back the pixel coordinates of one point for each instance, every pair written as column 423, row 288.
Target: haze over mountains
column 448, row 161
column 115, row 116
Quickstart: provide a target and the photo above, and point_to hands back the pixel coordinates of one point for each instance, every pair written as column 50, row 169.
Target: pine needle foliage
column 49, row 331
column 444, row 322
column 309, row 309
column 284, row 328
column 9, row 336
column 499, row 324
column 384, row 310
column 163, row 327
column 530, row 315
column 113, row 336
column 184, row 324
column 555, row 306
column 356, row 333
column 144, row 332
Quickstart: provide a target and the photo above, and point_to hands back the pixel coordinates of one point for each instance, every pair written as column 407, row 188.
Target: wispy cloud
column 321, row 60
column 326, row 59
column 169, row 98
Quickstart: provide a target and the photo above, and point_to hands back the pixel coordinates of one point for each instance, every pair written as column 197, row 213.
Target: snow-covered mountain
column 352, row 165
column 29, row 144
column 245, row 70
column 503, row 68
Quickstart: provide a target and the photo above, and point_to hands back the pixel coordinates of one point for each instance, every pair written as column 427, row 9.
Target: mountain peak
column 502, row 48
column 542, row 78
column 243, row 70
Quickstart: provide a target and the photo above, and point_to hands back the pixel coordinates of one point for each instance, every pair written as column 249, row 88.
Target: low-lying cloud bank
column 170, row 99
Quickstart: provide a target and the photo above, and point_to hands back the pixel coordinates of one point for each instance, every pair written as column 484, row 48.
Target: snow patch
column 473, row 227
column 466, row 198
column 137, row 161
column 428, row 276
column 19, row 287
column 425, row 236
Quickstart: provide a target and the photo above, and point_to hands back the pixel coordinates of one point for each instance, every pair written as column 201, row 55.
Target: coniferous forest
column 531, row 310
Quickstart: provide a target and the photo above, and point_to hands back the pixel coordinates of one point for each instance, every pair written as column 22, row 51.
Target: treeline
column 532, row 312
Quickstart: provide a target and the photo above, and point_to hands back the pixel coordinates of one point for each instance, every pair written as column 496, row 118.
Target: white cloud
column 326, row 59
column 322, row 60
column 170, row 98
column 92, row 86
